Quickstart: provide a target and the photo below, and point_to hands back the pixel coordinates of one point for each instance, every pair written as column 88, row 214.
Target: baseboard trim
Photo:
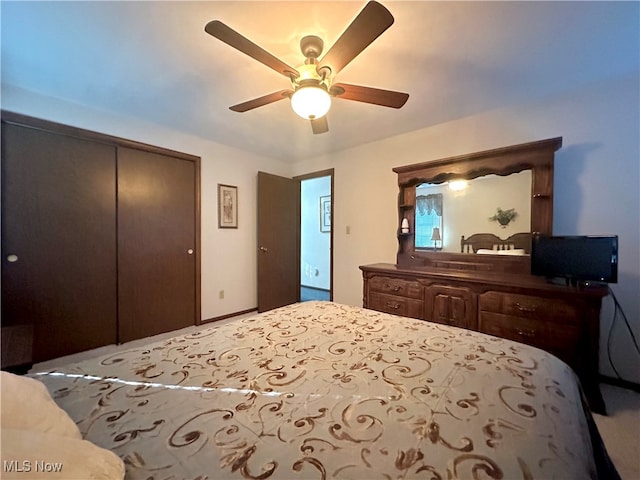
column 619, row 382
column 228, row 315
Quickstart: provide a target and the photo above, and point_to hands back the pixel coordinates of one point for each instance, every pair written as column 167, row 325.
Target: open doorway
column 316, row 236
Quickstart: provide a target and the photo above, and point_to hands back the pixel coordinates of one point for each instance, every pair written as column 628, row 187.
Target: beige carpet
column 620, row 429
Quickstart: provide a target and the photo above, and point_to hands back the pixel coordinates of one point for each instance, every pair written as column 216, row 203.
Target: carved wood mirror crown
column 534, row 157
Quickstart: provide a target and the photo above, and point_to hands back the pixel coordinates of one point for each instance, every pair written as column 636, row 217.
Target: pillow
column 513, row 251
column 39, row 440
column 25, row 403
column 37, row 455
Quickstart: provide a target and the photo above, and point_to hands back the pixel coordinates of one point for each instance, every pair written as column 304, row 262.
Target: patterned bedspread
column 321, row 390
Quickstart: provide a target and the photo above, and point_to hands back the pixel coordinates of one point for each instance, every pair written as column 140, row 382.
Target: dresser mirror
column 487, row 224
column 496, row 205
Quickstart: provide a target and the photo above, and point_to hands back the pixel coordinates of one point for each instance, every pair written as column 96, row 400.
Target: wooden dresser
column 564, row 321
column 452, row 283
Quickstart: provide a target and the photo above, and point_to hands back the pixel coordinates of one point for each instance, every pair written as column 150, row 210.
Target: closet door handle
column 264, row 249
column 190, row 251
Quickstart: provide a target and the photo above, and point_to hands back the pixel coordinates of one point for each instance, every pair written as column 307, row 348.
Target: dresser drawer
column 561, row 339
column 396, row 286
column 529, row 306
column 406, row 307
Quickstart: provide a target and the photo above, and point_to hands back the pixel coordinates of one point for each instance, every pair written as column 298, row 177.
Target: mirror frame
column 535, row 156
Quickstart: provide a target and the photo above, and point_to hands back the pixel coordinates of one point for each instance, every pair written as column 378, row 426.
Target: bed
column 516, row 244
column 321, row 390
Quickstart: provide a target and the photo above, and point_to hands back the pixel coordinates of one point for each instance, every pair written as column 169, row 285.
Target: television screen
column 577, row 258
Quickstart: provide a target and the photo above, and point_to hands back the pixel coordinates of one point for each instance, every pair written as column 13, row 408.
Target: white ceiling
column 152, row 60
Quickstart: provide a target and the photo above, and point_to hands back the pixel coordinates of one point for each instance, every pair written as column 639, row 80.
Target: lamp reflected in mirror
column 435, row 237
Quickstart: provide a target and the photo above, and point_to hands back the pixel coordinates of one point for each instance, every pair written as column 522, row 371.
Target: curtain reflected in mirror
column 428, row 220
column 469, row 207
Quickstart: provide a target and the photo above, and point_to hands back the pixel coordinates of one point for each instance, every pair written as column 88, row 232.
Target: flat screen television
column 579, row 258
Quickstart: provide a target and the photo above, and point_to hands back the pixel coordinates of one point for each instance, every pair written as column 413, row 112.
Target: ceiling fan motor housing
column 311, row 47
column 309, row 77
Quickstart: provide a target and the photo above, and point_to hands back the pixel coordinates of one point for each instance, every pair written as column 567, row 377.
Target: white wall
column 597, row 179
column 228, row 256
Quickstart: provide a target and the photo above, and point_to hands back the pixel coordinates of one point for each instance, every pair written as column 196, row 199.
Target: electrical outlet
column 221, row 295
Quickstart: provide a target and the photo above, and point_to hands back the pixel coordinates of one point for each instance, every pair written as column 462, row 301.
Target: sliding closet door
column 58, row 239
column 156, row 243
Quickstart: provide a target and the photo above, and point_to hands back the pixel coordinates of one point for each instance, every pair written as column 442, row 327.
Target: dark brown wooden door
column 278, row 241
column 156, row 243
column 58, row 239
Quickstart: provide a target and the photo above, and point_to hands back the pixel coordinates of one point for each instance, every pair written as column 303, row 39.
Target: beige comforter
column 322, row 390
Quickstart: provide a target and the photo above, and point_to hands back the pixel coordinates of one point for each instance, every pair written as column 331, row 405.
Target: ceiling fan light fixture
column 311, row 102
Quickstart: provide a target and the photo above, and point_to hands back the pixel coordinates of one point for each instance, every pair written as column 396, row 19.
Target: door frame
column 307, row 176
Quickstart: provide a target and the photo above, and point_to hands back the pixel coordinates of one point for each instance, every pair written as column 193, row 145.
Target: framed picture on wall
column 325, row 213
column 227, row 206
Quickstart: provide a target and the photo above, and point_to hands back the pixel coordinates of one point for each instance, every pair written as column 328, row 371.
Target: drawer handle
column 526, row 308
column 525, row 333
column 395, row 288
column 393, row 305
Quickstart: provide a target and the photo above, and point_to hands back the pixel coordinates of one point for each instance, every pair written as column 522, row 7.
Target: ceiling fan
column 312, row 83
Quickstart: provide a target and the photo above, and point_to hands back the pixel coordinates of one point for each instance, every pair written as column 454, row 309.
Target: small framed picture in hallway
column 227, row 206
column 325, row 213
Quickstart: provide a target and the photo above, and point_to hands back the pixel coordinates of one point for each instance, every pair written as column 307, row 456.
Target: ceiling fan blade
column 320, row 125
column 376, row 96
column 261, row 101
column 232, row 38
column 370, row 23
